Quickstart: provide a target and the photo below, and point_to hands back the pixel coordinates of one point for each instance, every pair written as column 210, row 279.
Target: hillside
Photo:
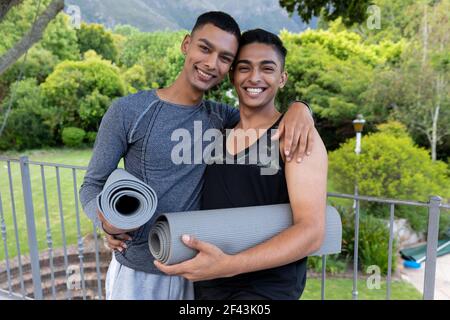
column 152, row 15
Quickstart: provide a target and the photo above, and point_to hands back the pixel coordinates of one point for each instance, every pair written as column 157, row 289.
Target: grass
column 341, row 289
column 68, row 212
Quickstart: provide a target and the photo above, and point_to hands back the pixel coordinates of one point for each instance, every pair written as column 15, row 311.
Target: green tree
column 75, row 92
column 392, row 166
column 94, row 37
column 125, row 30
column 350, row 11
column 332, row 70
column 135, row 79
column 61, row 39
column 26, row 127
column 417, row 90
column 39, row 64
column 31, row 26
column 153, row 45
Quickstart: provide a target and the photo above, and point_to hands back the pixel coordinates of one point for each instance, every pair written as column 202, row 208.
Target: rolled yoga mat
column 232, row 230
column 125, row 201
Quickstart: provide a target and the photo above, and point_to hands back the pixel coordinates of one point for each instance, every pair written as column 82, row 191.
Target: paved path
column 416, row 277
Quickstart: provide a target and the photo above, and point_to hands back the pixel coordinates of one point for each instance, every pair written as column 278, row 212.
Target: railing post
column 31, row 227
column 432, row 244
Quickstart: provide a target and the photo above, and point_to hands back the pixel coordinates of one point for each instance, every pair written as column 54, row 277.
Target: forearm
column 109, row 147
column 292, row 244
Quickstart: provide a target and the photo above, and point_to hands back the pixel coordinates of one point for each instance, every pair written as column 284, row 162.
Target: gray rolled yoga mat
column 125, row 201
column 232, row 230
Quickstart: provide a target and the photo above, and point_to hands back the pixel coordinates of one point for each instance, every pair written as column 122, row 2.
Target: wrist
column 236, row 265
column 111, row 233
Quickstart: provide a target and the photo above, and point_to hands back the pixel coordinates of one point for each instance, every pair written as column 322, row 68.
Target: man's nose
column 211, row 61
column 255, row 76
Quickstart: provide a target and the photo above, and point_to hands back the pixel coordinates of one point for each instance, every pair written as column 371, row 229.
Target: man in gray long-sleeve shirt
column 140, row 128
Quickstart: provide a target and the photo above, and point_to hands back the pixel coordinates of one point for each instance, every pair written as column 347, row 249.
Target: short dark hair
column 265, row 37
column 219, row 19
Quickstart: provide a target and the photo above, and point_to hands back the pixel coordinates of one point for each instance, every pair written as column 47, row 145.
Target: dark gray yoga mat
column 125, row 201
column 232, row 230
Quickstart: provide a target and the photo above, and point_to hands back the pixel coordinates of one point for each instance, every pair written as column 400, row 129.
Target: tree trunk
column 434, row 136
column 6, row 5
column 33, row 36
column 425, row 35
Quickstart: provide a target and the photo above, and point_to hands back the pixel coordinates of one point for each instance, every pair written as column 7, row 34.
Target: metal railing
column 35, row 261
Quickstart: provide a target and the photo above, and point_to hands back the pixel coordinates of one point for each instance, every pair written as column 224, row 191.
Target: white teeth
column 254, row 91
column 204, row 74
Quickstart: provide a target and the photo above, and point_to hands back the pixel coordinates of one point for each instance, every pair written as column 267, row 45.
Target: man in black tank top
column 275, row 269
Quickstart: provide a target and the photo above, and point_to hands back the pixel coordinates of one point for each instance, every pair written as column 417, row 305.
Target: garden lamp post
column 358, row 125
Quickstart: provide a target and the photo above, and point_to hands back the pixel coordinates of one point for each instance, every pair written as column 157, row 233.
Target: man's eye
column 226, row 60
column 268, row 69
column 243, row 69
column 204, row 49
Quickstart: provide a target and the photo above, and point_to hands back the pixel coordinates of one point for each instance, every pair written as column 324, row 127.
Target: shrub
column 334, row 264
column 373, row 241
column 90, row 137
column 73, row 137
column 78, row 93
column 25, row 127
column 391, row 166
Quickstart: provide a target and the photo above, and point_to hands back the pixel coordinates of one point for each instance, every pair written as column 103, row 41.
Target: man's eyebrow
column 243, row 61
column 262, row 62
column 209, row 44
column 268, row 62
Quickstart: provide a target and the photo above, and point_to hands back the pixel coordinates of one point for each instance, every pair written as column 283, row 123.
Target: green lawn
column 341, row 289
column 64, row 156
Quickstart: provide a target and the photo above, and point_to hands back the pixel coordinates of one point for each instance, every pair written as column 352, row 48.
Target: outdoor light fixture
column 358, row 125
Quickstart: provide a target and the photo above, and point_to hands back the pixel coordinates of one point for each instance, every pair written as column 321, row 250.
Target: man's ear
column 283, row 79
column 185, row 44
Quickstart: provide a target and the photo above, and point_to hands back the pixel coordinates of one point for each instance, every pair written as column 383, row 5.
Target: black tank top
column 231, row 185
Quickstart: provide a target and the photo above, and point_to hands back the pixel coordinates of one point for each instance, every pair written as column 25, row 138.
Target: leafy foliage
column 373, row 244
column 353, row 12
column 26, row 127
column 95, row 37
column 78, row 93
column 73, row 137
column 391, row 166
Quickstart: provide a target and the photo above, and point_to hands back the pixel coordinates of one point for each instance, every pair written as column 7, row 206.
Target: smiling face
column 209, row 55
column 257, row 75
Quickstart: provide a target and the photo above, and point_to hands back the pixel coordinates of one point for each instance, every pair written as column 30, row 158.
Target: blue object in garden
column 415, row 256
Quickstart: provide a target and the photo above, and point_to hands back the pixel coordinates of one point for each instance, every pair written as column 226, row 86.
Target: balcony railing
column 43, row 252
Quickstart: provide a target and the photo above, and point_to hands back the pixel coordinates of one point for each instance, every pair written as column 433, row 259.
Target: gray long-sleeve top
column 145, row 130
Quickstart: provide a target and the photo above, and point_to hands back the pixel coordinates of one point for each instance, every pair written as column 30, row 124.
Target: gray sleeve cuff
column 91, row 212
